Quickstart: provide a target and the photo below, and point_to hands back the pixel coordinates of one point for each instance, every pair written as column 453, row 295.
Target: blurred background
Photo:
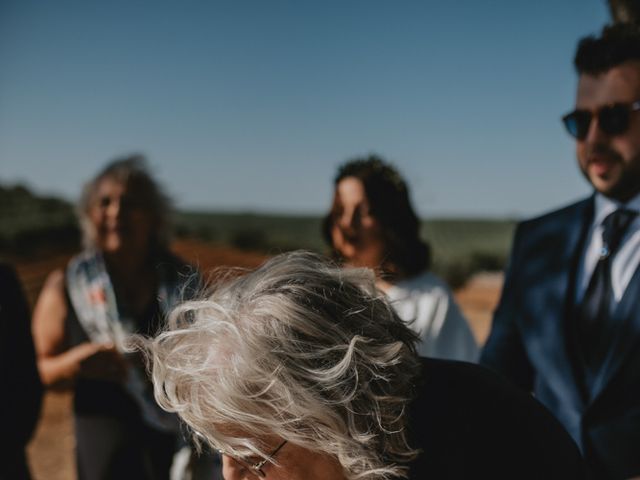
column 244, row 110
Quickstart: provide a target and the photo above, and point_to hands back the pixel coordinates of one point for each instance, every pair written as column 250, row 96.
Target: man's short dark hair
column 618, row 43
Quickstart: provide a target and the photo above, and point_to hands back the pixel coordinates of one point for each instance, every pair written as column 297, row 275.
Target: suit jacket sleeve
column 504, row 351
column 20, row 405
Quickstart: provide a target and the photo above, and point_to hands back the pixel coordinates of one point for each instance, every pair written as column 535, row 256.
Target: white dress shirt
column 627, row 258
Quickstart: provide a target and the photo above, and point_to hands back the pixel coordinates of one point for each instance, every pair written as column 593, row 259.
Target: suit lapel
column 627, row 331
column 550, row 298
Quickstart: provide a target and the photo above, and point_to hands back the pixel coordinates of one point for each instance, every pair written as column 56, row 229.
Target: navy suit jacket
column 531, row 342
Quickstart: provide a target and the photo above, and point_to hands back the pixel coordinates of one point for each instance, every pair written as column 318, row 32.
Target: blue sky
column 251, row 105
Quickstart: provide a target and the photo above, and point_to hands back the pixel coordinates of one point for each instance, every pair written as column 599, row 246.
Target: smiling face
column 120, row 221
column 611, row 163
column 355, row 233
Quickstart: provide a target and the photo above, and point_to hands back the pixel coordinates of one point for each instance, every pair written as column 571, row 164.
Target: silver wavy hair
column 298, row 349
column 133, row 171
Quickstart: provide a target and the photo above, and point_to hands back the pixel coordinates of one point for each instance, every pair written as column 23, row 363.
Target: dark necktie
column 594, row 311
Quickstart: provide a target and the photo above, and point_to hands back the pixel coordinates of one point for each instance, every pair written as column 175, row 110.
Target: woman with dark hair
column 372, row 224
column 121, row 284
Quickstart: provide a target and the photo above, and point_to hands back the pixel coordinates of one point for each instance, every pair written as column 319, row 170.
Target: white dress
column 426, row 303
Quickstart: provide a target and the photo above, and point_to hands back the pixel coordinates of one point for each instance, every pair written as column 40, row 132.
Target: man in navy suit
column 568, row 324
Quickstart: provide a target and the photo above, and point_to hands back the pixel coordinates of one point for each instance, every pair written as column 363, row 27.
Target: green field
column 460, row 246
column 252, row 231
column 450, row 238
column 29, row 224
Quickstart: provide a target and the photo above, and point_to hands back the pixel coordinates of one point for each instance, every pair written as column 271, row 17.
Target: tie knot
column 614, row 227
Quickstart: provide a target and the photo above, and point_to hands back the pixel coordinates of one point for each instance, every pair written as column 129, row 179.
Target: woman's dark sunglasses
column 612, row 119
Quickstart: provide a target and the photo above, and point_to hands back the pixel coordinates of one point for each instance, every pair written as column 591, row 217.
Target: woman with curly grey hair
column 119, row 285
column 301, row 371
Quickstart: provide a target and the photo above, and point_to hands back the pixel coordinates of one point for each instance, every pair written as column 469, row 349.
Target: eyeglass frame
column 257, row 466
column 630, row 107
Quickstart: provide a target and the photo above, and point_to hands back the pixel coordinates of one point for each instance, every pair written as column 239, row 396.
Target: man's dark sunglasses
column 612, row 119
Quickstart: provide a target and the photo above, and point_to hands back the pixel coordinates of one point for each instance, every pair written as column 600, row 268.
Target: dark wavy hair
column 617, row 43
column 406, row 254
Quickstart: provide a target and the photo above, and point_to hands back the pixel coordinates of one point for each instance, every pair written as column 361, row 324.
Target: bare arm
column 58, row 366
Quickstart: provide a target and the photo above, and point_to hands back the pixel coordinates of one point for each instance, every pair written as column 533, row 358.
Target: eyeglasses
column 257, row 466
column 612, row 119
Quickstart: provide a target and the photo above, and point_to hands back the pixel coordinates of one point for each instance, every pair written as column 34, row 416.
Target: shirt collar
column 605, row 205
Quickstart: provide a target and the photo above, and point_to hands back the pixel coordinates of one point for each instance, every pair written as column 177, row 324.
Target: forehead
column 621, row 84
column 110, row 186
column 351, row 190
column 238, row 434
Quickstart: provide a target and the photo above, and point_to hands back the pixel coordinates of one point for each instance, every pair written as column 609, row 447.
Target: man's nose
column 595, row 135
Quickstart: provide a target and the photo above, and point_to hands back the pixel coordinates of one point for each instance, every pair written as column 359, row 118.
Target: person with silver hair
column 119, row 285
column 302, row 371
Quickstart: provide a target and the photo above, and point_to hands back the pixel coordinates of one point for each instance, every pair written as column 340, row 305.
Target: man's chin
column 605, row 183
column 614, row 190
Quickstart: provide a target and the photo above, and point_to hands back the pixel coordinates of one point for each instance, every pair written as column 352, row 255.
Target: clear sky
column 251, row 104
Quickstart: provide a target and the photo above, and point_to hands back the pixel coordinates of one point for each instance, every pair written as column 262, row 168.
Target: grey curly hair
column 300, row 349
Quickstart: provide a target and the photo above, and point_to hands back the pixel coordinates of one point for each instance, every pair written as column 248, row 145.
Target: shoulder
column 455, row 380
column 171, row 262
column 545, row 232
column 471, row 411
column 419, row 297
column 53, row 296
column 182, row 278
column 463, row 378
column 55, row 282
column 425, row 283
column 557, row 217
column 484, row 395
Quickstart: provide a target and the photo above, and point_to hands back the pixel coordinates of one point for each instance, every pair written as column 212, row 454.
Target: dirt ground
column 51, row 449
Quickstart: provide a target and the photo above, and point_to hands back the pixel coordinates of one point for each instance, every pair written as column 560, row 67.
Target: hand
column 101, row 361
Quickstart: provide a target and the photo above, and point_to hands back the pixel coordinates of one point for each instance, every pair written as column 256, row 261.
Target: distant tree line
column 33, row 225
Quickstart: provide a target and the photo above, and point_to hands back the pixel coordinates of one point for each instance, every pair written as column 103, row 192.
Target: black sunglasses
column 612, row 119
